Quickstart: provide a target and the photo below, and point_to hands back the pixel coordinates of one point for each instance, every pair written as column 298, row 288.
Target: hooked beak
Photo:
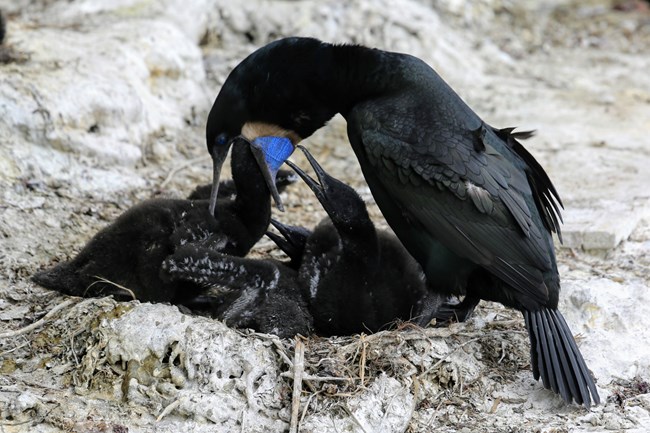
column 270, row 153
column 318, row 187
column 218, row 154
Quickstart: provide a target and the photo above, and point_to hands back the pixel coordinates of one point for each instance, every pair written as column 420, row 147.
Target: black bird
column 466, row 199
column 263, row 295
column 355, row 278
column 346, row 275
column 124, row 259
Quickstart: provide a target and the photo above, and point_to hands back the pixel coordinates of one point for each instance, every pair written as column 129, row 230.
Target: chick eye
column 222, row 139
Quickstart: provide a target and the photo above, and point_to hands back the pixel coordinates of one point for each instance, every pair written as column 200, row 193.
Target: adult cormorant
column 466, row 199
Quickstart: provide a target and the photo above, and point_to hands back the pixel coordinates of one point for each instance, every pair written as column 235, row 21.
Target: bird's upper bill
column 269, row 152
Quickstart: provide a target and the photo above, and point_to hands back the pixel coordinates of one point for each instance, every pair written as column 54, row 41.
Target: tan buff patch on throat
column 252, row 130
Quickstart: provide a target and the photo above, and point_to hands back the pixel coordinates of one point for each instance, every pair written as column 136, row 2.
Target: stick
column 39, row 322
column 167, row 410
column 278, row 344
column 309, row 377
column 298, row 369
column 353, row 416
column 362, row 362
column 304, row 410
column 104, row 280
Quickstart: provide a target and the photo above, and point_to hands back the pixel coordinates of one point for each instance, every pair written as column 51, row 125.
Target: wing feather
column 477, row 200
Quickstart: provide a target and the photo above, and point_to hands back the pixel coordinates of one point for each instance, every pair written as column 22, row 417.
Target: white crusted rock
column 103, row 93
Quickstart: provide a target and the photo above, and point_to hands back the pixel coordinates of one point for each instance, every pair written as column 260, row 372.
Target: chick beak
column 270, row 153
column 218, row 154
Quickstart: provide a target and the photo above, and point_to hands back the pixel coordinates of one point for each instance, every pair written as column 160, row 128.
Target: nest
column 194, row 368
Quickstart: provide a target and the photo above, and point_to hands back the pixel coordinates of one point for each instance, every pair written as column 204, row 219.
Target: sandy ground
column 103, row 104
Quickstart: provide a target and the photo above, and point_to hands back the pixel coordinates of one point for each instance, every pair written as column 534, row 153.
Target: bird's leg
column 478, row 286
column 426, row 309
column 456, row 312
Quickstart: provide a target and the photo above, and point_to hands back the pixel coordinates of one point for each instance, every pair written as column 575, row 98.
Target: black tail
column 67, row 279
column 556, row 357
column 61, row 278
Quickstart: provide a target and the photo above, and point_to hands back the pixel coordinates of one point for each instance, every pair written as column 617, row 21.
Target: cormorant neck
column 356, row 74
column 253, row 199
column 297, row 85
column 359, row 241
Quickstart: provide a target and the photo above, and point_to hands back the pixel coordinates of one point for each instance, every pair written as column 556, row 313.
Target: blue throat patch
column 276, row 150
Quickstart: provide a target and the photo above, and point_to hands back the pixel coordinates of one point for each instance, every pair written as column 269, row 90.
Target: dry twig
column 304, row 410
column 353, row 416
column 104, row 280
column 310, row 378
column 168, row 409
column 39, row 322
column 362, row 362
column 298, row 370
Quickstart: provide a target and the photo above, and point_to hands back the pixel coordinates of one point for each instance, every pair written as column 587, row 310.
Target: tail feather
column 555, row 358
column 568, row 385
column 582, row 394
column 534, row 348
column 550, row 355
column 61, row 278
column 570, row 342
column 541, row 353
column 559, row 372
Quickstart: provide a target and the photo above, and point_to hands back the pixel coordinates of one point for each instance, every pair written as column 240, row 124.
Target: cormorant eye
column 222, row 139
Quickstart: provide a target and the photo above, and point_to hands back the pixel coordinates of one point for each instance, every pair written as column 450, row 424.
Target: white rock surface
column 108, row 94
column 604, row 224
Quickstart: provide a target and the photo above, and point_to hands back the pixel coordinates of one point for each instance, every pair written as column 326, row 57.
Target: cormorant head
column 277, row 91
column 345, row 208
column 292, row 240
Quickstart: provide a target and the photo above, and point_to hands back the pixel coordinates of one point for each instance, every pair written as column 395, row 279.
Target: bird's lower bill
column 218, row 157
column 270, row 155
